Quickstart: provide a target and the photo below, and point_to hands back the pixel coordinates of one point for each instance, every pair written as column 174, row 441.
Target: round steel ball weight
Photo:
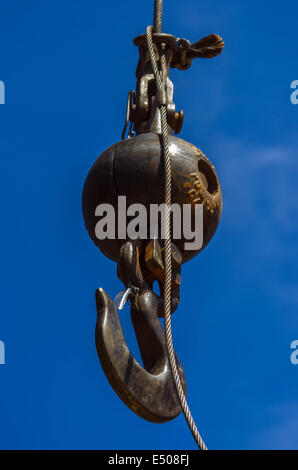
column 134, row 168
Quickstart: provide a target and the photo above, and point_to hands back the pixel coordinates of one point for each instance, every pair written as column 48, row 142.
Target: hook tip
column 99, row 298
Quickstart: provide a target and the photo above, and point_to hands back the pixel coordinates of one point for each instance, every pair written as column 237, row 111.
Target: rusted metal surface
column 134, row 168
column 149, row 391
column 180, row 53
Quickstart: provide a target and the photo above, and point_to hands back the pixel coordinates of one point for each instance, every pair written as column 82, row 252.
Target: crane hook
column 149, row 391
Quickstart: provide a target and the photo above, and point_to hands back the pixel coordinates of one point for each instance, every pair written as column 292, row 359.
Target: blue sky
column 67, row 67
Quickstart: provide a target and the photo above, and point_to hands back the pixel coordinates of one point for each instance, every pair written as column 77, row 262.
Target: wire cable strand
column 158, row 4
column 161, row 77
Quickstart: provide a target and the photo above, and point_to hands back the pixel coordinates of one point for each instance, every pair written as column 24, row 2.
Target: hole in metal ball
column 208, row 176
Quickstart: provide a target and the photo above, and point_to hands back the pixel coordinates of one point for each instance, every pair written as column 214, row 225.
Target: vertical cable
column 160, row 78
column 158, row 16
